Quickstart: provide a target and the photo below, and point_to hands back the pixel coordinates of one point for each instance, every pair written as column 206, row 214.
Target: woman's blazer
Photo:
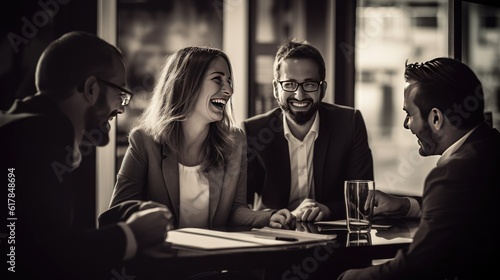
column 150, row 171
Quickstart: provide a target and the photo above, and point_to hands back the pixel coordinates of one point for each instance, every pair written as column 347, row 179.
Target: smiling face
column 107, row 106
column 418, row 124
column 215, row 91
column 299, row 105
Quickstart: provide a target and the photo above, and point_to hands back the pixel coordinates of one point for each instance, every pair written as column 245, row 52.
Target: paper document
column 300, row 235
column 206, row 239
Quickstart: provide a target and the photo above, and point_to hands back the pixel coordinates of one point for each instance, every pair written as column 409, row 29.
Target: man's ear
column 435, row 119
column 91, row 89
column 323, row 90
column 275, row 88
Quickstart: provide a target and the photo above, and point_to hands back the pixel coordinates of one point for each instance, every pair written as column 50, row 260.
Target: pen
column 281, row 238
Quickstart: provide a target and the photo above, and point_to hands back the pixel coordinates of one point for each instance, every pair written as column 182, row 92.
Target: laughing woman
column 184, row 151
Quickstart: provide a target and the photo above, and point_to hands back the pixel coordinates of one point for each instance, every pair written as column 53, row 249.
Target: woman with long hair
column 185, row 151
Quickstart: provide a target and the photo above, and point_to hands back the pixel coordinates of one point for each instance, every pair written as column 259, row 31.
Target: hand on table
column 150, row 224
column 282, row 219
column 307, row 227
column 386, row 204
column 310, row 210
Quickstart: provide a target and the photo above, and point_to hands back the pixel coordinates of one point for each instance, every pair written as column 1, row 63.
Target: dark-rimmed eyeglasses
column 125, row 94
column 309, row 86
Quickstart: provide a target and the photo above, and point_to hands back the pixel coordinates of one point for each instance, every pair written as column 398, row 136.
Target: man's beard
column 429, row 141
column 96, row 125
column 300, row 118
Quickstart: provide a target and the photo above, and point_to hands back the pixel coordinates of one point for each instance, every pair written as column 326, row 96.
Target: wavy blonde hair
column 174, row 97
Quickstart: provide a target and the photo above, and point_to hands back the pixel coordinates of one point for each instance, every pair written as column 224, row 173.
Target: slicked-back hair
column 69, row 60
column 174, row 98
column 304, row 50
column 449, row 85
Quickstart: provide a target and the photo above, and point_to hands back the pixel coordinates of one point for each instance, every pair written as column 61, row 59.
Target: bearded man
column 80, row 82
column 300, row 154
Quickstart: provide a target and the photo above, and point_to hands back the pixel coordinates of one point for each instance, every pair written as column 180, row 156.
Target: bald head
column 68, row 61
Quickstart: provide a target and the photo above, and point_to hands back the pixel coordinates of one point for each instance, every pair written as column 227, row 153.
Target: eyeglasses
column 308, row 86
column 125, row 95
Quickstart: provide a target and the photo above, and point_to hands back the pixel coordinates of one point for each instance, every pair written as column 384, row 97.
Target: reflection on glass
column 356, row 239
column 481, row 43
column 387, row 34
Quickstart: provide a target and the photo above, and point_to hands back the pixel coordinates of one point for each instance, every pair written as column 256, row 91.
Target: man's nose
column 121, row 109
column 300, row 93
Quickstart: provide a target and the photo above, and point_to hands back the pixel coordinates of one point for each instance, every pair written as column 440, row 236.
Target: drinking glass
column 359, row 205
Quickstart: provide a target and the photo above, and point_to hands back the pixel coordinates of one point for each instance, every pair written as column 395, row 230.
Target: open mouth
column 300, row 104
column 219, row 103
column 304, row 104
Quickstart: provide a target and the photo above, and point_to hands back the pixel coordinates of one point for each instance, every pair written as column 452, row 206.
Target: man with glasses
column 300, row 154
column 125, row 94
column 80, row 80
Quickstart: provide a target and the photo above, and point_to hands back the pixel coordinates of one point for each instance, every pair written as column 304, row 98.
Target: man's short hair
column 294, row 49
column 72, row 58
column 449, row 85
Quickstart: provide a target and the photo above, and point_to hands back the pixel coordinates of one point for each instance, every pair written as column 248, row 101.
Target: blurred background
column 365, row 44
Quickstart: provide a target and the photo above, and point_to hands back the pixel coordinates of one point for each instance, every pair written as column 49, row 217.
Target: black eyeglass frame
column 126, row 95
column 297, row 84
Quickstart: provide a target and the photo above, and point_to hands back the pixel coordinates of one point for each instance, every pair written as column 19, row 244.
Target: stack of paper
column 206, row 239
column 300, row 235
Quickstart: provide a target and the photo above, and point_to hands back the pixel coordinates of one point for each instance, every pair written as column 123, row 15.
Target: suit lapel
column 319, row 157
column 282, row 161
column 170, row 170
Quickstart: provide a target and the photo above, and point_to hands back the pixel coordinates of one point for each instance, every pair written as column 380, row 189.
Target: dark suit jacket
column 341, row 152
column 150, row 172
column 36, row 138
column 455, row 239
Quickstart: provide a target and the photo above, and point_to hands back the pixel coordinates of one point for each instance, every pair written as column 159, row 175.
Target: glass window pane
column 387, row 34
column 149, row 31
column 481, row 41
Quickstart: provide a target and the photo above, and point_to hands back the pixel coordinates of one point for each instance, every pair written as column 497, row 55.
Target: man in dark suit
column 300, row 154
column 80, row 80
column 444, row 103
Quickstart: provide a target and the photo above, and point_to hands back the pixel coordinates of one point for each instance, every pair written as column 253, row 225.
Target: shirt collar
column 455, row 146
column 314, row 128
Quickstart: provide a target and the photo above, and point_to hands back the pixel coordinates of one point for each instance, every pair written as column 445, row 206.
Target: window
column 273, row 22
column 148, row 32
column 481, row 51
column 387, row 34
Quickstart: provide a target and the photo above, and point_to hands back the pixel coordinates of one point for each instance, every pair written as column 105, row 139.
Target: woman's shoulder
column 139, row 135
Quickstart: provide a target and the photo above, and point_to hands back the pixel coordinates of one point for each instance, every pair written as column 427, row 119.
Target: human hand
column 386, row 204
column 310, row 210
column 282, row 219
column 306, row 227
column 150, row 225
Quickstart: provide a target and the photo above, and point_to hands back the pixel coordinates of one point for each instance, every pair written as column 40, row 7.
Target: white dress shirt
column 194, row 197
column 301, row 163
